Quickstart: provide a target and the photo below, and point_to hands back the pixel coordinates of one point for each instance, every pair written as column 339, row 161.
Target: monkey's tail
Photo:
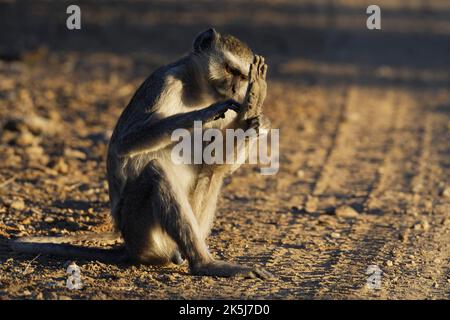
column 59, row 246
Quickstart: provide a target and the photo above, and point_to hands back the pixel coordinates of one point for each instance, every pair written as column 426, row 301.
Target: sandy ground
column 365, row 149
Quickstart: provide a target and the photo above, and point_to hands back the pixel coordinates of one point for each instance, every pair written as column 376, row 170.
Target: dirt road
column 364, row 120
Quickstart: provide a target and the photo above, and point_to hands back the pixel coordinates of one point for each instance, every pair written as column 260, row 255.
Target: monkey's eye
column 228, row 68
column 233, row 71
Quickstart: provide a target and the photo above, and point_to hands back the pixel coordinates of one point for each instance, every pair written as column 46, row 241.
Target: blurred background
column 365, row 150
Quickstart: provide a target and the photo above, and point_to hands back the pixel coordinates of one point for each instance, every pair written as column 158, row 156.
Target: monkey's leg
column 204, row 200
column 162, row 205
column 150, row 212
column 205, row 219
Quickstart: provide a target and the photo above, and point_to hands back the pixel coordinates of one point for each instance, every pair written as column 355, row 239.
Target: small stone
column 300, row 173
column 446, row 192
column 311, row 204
column 335, row 235
column 39, row 125
column 346, row 212
column 437, row 260
column 36, row 153
column 422, row 225
column 26, row 139
column 26, row 221
column 64, row 298
column 49, row 219
column 61, row 166
column 389, row 263
column 72, row 153
column 18, row 205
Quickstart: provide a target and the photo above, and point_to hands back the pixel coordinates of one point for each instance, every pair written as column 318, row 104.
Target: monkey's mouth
column 221, row 93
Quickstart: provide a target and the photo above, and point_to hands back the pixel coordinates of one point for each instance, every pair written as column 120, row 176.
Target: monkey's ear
column 205, row 40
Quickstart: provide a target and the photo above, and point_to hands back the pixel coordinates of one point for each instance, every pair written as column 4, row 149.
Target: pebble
column 18, row 205
column 49, row 219
column 389, row 263
column 346, row 212
column 300, row 173
column 72, row 153
column 26, row 221
column 446, row 192
column 26, row 139
column 335, row 235
column 311, row 204
column 61, row 166
column 422, row 225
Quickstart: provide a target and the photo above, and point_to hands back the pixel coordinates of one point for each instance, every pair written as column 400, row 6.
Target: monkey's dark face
column 228, row 63
column 229, row 75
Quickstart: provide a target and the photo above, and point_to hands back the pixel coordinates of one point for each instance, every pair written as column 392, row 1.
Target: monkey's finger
column 264, row 71
column 257, row 64
column 263, row 274
column 256, row 59
column 261, row 62
column 256, row 273
column 252, row 73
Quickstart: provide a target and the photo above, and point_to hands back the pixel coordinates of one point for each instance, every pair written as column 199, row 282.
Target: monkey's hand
column 218, row 110
column 257, row 89
column 258, row 123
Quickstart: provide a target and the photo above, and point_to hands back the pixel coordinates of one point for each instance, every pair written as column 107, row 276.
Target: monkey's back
column 141, row 107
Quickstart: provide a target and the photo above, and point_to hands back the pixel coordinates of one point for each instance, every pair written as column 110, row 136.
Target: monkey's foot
column 226, row 269
column 177, row 258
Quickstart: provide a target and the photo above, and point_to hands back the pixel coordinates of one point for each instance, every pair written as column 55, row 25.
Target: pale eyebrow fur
column 237, row 63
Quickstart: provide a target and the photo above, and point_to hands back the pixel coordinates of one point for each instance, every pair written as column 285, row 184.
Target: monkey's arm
column 157, row 136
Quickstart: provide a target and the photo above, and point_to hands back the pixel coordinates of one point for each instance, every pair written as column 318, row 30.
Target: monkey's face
column 228, row 63
column 229, row 75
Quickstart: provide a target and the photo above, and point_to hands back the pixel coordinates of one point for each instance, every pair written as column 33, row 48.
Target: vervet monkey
column 164, row 211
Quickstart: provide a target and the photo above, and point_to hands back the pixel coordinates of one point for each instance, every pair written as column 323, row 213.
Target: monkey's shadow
column 42, row 261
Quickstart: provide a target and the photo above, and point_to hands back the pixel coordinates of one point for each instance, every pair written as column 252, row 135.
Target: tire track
column 291, row 226
column 426, row 250
column 342, row 274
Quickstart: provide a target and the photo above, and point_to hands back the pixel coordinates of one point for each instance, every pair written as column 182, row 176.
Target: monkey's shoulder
column 156, row 85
